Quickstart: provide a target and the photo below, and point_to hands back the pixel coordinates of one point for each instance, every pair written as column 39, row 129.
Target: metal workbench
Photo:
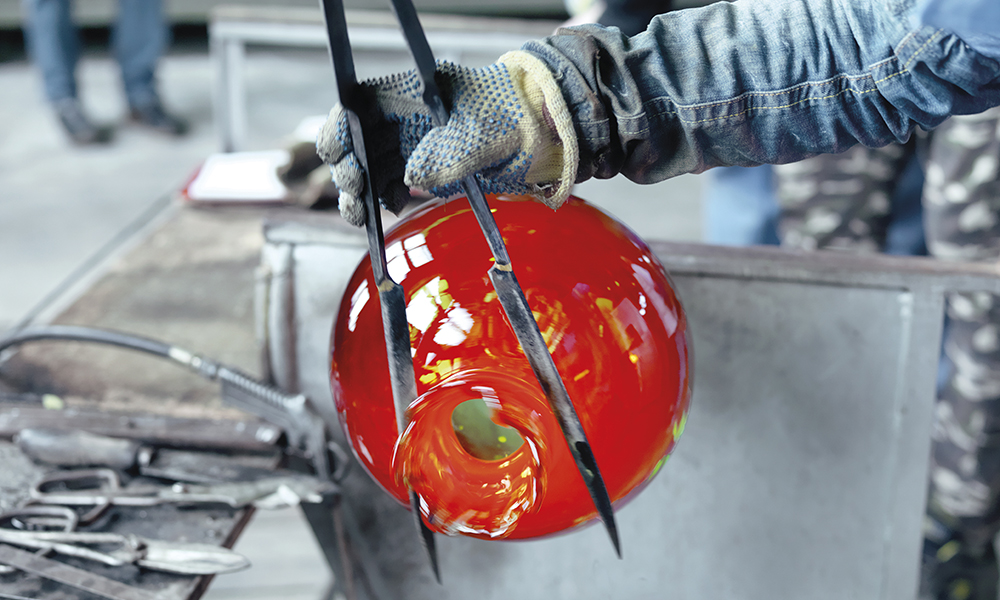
column 190, row 282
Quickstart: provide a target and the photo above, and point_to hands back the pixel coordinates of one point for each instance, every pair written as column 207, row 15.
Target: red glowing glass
column 482, row 448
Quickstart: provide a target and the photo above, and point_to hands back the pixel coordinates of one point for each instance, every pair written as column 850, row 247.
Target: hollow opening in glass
column 479, row 435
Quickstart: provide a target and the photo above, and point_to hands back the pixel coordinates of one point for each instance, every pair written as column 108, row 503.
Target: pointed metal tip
column 607, row 514
column 613, row 534
column 426, row 536
column 431, row 546
column 434, row 564
column 598, row 491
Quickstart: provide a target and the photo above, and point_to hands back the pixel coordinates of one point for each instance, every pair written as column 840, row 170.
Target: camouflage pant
column 843, row 202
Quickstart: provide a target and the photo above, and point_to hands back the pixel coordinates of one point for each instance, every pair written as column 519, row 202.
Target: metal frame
column 233, row 28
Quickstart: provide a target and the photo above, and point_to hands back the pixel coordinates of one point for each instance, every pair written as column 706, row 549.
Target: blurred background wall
column 100, row 12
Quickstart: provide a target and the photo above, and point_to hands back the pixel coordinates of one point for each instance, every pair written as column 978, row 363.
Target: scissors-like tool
column 509, row 291
column 102, row 489
column 53, row 529
column 505, row 283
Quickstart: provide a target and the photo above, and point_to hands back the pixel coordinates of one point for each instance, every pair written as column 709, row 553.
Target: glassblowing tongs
column 508, row 290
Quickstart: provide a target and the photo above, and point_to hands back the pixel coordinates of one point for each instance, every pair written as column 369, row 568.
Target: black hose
column 86, row 334
column 203, row 366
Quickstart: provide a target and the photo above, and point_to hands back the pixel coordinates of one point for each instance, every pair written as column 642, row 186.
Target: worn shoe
column 153, row 116
column 951, row 572
column 77, row 126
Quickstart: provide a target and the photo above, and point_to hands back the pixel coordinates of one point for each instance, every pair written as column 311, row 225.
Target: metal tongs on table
column 53, row 529
column 508, row 290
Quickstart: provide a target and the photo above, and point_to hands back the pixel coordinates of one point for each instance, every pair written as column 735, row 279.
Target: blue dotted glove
column 509, row 126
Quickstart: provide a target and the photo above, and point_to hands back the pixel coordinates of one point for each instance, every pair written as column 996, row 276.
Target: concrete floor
column 62, row 208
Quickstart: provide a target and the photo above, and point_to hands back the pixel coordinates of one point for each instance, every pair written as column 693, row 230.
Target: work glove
column 508, row 125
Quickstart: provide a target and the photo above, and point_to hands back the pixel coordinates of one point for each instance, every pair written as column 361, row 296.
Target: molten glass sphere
column 482, row 448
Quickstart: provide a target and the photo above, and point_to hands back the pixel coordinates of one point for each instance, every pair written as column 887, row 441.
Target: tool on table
column 305, row 430
column 390, row 293
column 74, row 448
column 48, row 517
column 183, row 558
column 501, row 274
column 246, row 435
column 21, row 398
column 71, row 576
column 102, row 489
column 69, row 448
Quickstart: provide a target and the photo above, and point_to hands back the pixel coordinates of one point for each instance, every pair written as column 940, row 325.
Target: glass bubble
column 482, row 448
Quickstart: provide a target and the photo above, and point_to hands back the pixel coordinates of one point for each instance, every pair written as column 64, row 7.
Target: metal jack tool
column 390, row 293
column 509, row 291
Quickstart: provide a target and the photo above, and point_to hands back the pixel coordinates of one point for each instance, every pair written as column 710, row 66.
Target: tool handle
column 74, row 448
column 273, row 405
column 413, row 31
column 72, row 576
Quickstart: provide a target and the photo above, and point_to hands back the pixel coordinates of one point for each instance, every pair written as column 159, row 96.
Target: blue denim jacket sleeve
column 768, row 81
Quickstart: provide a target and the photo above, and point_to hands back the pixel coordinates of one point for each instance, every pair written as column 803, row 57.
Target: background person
column 139, row 38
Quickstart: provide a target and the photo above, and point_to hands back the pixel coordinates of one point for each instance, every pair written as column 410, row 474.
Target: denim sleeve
column 755, row 82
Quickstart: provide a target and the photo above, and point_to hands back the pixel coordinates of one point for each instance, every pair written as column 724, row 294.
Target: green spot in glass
column 473, row 423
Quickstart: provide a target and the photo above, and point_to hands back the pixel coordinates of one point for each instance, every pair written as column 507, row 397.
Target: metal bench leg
column 228, row 56
column 326, row 521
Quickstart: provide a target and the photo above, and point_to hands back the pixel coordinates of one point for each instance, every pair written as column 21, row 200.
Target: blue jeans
column 139, row 38
column 739, row 207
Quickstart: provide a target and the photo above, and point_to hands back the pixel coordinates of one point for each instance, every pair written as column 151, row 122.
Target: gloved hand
column 509, row 125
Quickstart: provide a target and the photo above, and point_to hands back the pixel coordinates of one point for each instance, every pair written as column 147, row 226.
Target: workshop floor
column 65, row 211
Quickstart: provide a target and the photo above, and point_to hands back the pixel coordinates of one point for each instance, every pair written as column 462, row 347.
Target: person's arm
column 770, row 81
column 731, row 84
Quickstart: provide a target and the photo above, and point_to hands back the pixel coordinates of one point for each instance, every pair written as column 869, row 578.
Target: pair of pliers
column 509, row 292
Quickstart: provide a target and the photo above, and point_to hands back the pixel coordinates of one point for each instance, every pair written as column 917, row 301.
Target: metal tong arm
column 509, row 291
column 32, row 527
column 72, row 543
column 391, row 295
column 102, row 486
